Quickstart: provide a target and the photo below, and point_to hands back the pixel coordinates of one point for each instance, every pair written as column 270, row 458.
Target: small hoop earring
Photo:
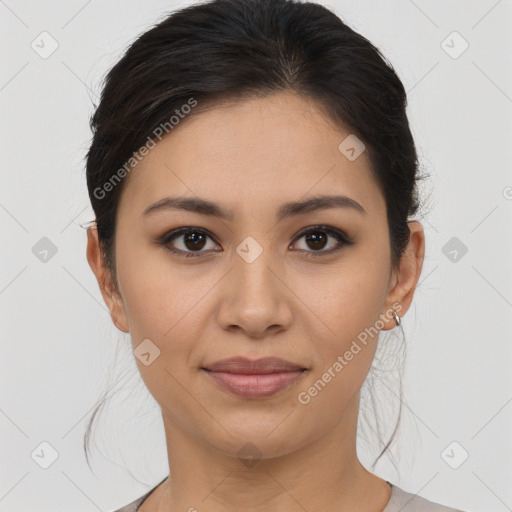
column 397, row 319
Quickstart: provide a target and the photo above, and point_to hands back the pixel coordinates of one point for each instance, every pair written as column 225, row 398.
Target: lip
column 254, row 378
column 247, row 366
column 255, row 385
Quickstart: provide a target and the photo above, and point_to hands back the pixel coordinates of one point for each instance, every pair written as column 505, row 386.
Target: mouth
column 254, row 378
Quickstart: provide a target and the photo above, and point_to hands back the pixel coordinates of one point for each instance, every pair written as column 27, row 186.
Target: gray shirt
column 400, row 501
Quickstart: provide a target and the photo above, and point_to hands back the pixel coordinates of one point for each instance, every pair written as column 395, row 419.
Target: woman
column 253, row 178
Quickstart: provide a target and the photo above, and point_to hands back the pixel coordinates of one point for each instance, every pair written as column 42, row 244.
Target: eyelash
column 342, row 238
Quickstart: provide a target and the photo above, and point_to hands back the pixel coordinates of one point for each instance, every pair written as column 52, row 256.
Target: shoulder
column 404, row 501
column 134, row 505
column 400, row 501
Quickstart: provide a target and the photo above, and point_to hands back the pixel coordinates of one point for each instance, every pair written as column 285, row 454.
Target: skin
column 251, row 157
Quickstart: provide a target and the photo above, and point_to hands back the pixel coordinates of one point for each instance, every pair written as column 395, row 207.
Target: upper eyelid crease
column 341, row 237
column 204, row 207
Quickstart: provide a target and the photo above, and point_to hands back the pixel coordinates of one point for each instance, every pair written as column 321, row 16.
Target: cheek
column 161, row 296
column 349, row 306
column 163, row 305
column 346, row 298
column 158, row 295
column 348, row 301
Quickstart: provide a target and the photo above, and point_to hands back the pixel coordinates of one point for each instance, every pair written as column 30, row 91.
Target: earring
column 397, row 319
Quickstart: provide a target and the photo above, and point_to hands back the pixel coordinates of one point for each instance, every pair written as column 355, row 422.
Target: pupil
column 195, row 239
column 316, row 239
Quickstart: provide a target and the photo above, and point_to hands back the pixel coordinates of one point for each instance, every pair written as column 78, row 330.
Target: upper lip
column 253, row 366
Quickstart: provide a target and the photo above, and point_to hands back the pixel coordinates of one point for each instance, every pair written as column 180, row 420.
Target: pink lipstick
column 254, row 378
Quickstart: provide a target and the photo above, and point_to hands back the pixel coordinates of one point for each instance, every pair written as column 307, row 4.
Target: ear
column 107, row 285
column 405, row 279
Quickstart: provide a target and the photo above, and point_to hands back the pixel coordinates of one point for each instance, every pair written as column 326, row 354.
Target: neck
column 323, row 475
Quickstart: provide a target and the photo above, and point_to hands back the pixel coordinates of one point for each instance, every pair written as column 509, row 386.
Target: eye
column 317, row 239
column 190, row 243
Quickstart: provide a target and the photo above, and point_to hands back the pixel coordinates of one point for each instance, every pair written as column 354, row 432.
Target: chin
column 255, row 440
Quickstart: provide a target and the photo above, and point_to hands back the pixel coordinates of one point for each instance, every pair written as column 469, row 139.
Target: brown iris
column 194, row 240
column 317, row 238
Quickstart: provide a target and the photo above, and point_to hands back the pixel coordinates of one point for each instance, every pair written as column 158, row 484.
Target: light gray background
column 58, row 341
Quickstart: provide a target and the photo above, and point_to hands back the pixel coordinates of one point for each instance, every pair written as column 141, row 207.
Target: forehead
column 258, row 151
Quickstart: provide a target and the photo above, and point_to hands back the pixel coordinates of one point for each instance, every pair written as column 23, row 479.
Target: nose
column 255, row 299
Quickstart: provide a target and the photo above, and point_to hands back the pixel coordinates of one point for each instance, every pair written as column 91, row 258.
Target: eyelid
column 175, row 233
column 169, row 236
column 342, row 238
column 323, row 227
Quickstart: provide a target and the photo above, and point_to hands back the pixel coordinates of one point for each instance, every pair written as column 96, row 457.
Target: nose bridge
column 252, row 268
column 255, row 299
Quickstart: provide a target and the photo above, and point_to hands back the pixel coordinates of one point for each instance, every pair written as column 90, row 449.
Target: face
column 301, row 284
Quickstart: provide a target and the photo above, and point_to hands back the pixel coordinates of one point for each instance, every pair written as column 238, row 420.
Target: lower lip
column 257, row 385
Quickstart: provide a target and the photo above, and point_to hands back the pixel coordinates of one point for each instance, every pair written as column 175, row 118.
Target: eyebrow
column 203, row 207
